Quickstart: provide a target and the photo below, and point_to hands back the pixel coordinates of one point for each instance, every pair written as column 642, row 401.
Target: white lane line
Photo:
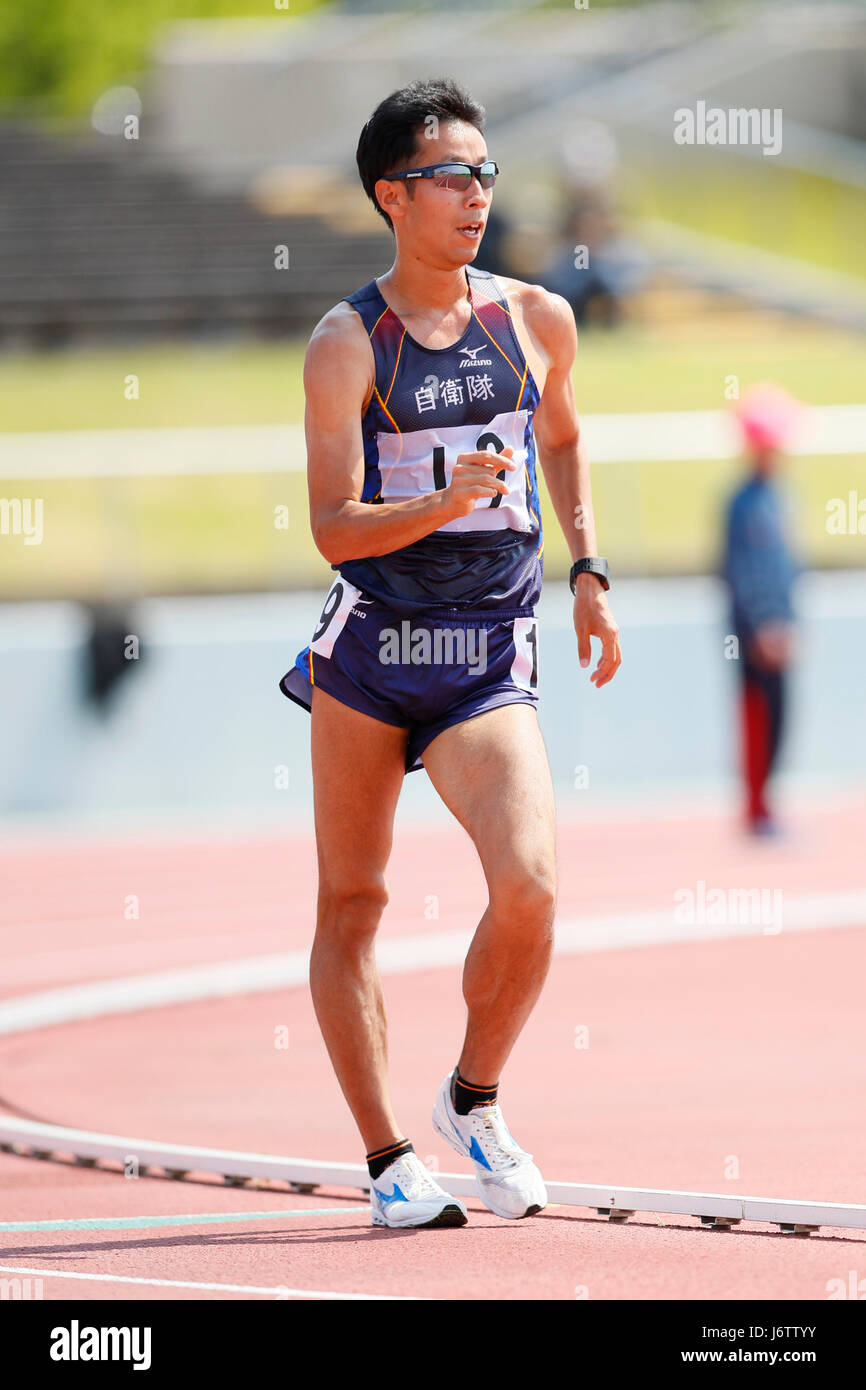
column 625, row 437
column 144, row 1223
column 275, row 1290
column 408, row 954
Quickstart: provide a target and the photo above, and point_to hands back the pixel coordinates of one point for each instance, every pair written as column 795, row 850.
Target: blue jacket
column 759, row 564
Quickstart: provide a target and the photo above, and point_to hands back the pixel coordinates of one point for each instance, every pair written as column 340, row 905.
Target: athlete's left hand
column 593, row 618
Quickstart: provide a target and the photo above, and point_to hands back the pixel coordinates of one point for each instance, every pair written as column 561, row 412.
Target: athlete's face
column 441, row 222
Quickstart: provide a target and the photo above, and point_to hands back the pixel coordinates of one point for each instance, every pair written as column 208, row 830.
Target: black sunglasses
column 456, row 177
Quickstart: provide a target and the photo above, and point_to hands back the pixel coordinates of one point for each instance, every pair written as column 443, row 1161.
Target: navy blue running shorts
column 421, row 674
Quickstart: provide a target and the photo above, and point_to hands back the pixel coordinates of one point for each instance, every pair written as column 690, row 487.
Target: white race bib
column 422, row 461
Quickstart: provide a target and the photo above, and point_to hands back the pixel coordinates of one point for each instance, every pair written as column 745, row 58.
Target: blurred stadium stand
column 97, row 240
column 247, row 143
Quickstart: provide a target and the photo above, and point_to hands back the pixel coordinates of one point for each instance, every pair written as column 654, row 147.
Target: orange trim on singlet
column 503, row 305
column 539, row 550
column 396, row 364
column 488, row 300
column 385, row 311
column 531, row 512
column 386, row 410
column 496, row 345
column 523, row 383
column 379, row 320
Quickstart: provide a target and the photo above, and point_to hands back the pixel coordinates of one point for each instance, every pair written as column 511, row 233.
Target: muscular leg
column 358, row 769
column 492, row 773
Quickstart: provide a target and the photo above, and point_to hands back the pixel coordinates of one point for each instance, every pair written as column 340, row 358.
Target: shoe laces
column 414, row 1179
column 500, row 1148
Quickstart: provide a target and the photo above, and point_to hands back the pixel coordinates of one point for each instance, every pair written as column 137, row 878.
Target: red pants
column 762, row 709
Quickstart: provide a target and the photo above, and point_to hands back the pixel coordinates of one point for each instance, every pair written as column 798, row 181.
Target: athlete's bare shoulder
column 547, row 317
column 341, row 329
column 339, row 354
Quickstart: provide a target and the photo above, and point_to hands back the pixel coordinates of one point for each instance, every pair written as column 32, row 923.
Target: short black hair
column 387, row 142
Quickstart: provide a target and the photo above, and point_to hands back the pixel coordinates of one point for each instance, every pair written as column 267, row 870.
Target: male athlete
column 426, row 392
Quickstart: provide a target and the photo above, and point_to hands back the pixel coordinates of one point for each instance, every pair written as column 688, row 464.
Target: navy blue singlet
column 429, row 405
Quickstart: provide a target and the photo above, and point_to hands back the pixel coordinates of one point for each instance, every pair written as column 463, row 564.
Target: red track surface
column 699, row 1054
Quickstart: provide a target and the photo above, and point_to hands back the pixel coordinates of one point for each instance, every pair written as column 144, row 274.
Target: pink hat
column 768, row 416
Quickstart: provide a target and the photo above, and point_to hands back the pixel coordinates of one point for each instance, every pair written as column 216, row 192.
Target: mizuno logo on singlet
column 471, row 358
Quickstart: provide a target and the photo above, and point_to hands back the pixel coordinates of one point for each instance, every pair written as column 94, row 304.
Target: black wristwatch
column 593, row 564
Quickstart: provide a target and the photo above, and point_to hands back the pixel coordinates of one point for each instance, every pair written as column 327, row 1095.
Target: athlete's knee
column 352, row 909
column 524, row 893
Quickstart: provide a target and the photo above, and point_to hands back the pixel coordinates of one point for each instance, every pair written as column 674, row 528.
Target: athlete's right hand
column 474, row 476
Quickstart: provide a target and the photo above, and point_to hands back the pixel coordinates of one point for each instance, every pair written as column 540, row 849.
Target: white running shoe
column 406, row 1194
column 506, row 1177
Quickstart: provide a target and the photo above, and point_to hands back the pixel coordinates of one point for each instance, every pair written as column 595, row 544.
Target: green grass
column 683, row 368
column 177, row 385
column 188, row 535
column 755, row 202
column 197, row 534
column 56, row 56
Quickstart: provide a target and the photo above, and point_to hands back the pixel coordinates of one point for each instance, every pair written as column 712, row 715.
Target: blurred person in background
column 759, row 569
column 596, row 265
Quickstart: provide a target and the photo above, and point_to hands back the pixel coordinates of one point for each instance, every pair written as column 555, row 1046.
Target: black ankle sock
column 381, row 1159
column 465, row 1094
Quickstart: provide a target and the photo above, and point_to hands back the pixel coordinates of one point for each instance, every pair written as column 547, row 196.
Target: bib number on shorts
column 338, row 605
column 524, row 667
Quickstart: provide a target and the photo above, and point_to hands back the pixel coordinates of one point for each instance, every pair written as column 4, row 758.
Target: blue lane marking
column 132, row 1223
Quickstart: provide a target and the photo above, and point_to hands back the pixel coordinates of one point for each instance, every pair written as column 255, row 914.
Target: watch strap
column 591, row 564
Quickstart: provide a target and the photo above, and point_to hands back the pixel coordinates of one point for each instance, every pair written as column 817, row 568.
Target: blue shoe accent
column 396, row 1196
column 477, row 1155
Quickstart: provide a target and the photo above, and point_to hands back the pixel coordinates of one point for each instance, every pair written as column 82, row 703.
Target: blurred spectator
column 760, row 569
column 597, row 265
column 107, row 658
